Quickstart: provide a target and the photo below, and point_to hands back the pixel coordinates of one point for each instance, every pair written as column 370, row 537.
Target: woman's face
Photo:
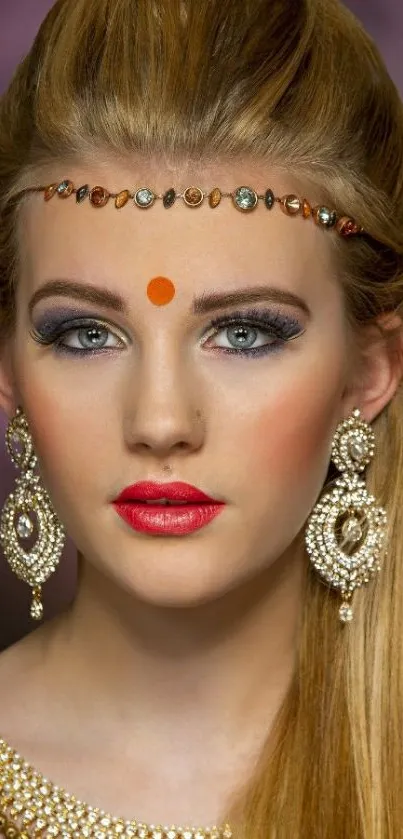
column 233, row 409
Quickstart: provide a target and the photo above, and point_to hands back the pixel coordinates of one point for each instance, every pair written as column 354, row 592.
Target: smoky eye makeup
column 48, row 324
column 247, row 333
column 56, row 327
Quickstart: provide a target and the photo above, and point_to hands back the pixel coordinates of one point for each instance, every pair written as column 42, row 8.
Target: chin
column 176, row 578
column 175, row 590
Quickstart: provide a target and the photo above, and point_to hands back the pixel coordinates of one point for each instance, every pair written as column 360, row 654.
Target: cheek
column 73, row 445
column 291, row 439
column 294, row 442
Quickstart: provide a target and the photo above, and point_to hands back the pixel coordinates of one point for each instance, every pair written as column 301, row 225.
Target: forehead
column 217, row 247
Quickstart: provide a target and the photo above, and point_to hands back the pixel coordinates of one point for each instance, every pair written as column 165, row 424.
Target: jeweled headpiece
column 244, row 198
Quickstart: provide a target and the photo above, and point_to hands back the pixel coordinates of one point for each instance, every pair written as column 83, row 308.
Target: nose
column 164, row 416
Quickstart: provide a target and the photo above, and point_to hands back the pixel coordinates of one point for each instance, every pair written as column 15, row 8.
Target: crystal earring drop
column 346, row 531
column 28, row 518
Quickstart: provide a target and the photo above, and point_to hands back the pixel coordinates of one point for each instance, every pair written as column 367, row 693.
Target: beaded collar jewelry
column 244, row 198
column 31, row 806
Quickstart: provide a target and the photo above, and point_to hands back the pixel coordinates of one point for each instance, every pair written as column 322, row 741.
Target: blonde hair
column 301, row 83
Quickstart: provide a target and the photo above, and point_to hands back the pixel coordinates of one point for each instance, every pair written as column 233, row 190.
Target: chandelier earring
column 346, row 531
column 31, row 535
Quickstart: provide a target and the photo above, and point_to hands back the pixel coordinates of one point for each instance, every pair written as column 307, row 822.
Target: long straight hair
column 300, row 84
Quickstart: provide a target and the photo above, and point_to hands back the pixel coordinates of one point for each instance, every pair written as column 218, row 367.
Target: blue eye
column 88, row 338
column 253, row 333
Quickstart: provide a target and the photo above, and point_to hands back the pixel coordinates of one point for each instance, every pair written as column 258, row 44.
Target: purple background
column 19, row 22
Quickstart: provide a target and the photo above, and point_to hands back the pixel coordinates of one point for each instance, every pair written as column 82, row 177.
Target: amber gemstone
column 215, row 197
column 193, row 196
column 122, row 198
column 65, row 189
column 99, row 196
column 269, row 199
column 315, row 214
column 50, row 191
column 306, row 208
column 82, row 193
column 169, row 198
column 290, row 204
column 347, row 226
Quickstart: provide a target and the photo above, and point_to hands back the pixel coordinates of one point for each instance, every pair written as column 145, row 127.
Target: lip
column 172, row 520
column 174, row 491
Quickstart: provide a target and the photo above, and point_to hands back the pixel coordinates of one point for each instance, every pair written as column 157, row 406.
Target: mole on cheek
column 160, row 291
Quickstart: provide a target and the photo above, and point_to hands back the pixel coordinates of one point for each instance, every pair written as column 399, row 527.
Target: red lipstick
column 184, row 508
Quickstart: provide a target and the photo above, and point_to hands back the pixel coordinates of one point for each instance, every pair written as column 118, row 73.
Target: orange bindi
column 160, row 291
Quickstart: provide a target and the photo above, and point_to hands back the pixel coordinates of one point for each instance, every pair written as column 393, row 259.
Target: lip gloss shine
column 169, row 520
column 195, row 510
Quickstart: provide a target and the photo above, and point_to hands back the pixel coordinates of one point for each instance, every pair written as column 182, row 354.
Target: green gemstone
column 82, row 193
column 169, row 198
column 269, row 198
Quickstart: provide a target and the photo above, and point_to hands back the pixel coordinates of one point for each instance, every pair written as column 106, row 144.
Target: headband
column 244, row 198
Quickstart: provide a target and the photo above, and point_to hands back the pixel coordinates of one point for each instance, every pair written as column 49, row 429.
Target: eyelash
column 281, row 328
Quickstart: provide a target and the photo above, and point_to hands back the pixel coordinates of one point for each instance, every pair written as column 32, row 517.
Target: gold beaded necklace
column 31, row 806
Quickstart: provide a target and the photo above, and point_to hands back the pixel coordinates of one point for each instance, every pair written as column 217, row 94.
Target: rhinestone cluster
column 31, row 806
column 346, row 532
column 244, row 198
column 26, row 510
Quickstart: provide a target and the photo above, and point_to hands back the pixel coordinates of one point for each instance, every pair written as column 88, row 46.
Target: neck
column 211, row 661
column 208, row 680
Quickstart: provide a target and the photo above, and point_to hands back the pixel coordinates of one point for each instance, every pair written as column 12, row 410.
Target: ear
column 8, row 392
column 379, row 370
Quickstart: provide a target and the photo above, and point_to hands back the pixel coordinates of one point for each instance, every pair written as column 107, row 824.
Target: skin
column 167, row 672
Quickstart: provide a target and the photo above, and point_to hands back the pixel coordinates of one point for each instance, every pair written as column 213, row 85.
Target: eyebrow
column 205, row 303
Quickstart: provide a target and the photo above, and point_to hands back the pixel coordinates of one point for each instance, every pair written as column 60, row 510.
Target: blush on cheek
column 294, row 441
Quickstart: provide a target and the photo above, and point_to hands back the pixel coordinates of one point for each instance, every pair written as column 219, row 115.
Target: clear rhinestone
column 345, row 613
column 24, row 526
column 36, row 610
column 144, row 197
column 245, row 198
column 17, row 445
column 357, row 449
column 352, row 530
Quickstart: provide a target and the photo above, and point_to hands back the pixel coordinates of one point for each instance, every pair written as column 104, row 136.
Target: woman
column 201, row 281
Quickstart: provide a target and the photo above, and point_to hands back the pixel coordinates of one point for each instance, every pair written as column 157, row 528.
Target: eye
column 95, row 337
column 80, row 337
column 254, row 333
column 243, row 336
